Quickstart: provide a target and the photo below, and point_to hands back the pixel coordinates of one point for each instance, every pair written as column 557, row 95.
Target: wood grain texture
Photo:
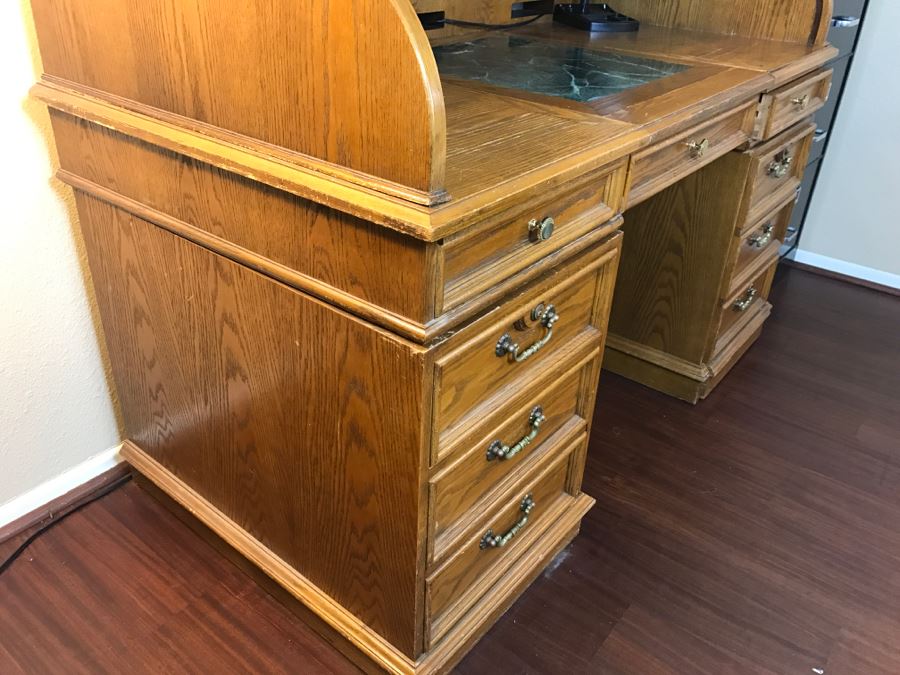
column 468, row 575
column 333, row 253
column 470, row 379
column 278, row 409
column 265, row 71
column 673, row 259
column 796, row 21
column 466, row 484
column 697, row 558
column 665, row 163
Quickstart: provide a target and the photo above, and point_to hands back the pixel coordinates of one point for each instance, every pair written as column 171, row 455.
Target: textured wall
column 853, row 215
column 55, row 407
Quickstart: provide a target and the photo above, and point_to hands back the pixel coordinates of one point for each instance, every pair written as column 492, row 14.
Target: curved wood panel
column 352, row 83
column 794, row 21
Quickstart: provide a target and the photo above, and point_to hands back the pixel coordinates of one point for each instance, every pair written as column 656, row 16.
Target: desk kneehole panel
column 520, row 346
column 503, row 246
column 663, row 165
column 465, row 486
column 792, row 103
column 525, row 515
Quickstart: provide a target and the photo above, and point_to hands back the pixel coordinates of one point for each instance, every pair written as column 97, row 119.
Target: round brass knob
column 541, row 230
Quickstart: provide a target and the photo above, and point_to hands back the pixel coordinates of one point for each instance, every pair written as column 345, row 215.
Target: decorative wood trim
column 348, row 625
column 338, row 192
column 693, row 371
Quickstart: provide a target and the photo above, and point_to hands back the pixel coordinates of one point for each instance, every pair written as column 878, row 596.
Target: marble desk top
column 549, row 68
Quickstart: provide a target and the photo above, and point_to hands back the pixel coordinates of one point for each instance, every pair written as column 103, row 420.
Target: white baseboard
column 847, row 268
column 45, row 493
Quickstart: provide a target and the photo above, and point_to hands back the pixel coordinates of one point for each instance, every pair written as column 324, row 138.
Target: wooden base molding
column 380, row 653
column 356, row 631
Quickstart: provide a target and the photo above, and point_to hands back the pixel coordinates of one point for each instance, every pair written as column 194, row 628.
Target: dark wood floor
column 758, row 532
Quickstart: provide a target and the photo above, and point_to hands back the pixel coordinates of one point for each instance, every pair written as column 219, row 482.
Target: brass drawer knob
column 698, row 148
column 781, row 164
column 506, row 346
column 801, row 101
column 491, row 540
column 744, row 303
column 497, row 450
column 541, row 230
column 762, row 240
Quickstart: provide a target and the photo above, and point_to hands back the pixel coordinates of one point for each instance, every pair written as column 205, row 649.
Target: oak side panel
column 298, row 422
column 317, row 77
column 673, row 258
column 331, row 247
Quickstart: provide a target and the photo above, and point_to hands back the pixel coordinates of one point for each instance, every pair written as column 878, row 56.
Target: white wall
column 55, row 407
column 855, row 214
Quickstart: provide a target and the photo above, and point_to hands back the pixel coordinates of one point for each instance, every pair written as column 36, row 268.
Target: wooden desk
column 356, row 312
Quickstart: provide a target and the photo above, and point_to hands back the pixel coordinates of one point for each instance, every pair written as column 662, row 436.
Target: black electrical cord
column 491, row 26
column 6, row 564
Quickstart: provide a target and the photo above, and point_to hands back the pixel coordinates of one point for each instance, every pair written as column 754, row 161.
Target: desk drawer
column 754, row 242
column 477, row 258
column 493, row 545
column 745, row 303
column 487, row 463
column 776, row 168
column 791, row 104
column 519, row 346
column 659, row 167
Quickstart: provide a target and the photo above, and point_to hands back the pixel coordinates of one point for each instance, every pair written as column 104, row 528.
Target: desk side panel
column 353, row 83
column 298, row 422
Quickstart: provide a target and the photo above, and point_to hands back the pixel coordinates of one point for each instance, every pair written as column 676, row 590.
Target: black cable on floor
column 490, row 26
column 6, row 564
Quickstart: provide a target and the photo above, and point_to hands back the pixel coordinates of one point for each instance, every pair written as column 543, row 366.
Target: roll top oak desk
column 356, row 278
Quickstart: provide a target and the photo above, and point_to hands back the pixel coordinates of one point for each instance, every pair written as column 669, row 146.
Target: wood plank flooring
column 758, row 532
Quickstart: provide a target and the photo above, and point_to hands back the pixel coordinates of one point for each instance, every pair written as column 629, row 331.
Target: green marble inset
column 549, row 68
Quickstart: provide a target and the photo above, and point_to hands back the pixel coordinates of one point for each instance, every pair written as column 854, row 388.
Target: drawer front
column 499, row 540
column 477, row 258
column 659, row 167
column 749, row 299
column 755, row 242
column 777, row 169
column 493, row 461
column 792, row 103
column 520, row 350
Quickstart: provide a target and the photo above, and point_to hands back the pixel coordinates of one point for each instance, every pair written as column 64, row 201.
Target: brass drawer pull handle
column 497, row 450
column 541, row 230
column 762, row 240
column 547, row 318
column 698, row 148
column 801, row 101
column 744, row 303
column 781, row 164
column 491, row 540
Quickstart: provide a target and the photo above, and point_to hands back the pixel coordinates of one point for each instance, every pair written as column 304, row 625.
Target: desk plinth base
column 684, row 380
column 344, row 631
